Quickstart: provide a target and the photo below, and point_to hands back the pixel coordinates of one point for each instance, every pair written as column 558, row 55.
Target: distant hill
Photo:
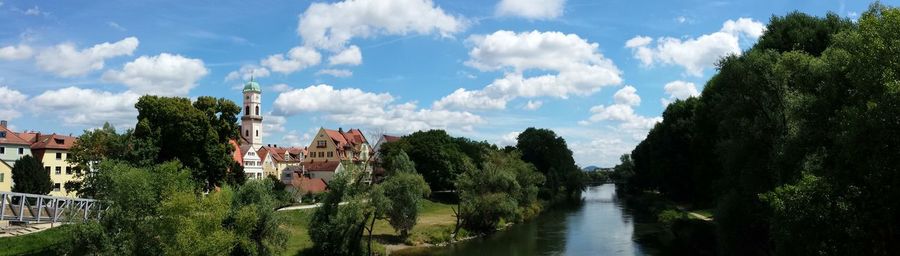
column 590, row 168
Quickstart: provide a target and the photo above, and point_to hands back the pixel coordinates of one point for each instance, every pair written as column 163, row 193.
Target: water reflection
column 600, row 225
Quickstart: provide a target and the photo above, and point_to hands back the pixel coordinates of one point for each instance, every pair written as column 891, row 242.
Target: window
column 320, row 144
column 2, row 134
column 58, row 156
column 321, row 154
column 56, row 187
column 257, row 110
column 330, row 154
column 47, row 168
column 21, row 151
column 59, row 141
column 246, row 133
column 246, row 110
column 68, row 170
column 257, row 133
column 58, row 170
column 1, row 177
column 2, row 150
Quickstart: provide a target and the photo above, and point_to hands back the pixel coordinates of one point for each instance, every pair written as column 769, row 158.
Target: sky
column 597, row 72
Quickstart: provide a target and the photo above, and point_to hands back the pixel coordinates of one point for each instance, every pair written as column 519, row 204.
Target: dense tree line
column 794, row 142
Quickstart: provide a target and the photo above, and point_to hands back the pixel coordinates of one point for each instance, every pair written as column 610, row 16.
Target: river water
column 601, row 225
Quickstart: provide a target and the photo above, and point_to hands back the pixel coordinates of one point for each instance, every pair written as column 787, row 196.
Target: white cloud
column 696, row 54
column 296, row 59
column 508, row 139
column 679, row 90
column 627, row 96
column 294, row 139
column 579, row 68
column 331, row 25
column 335, row 72
column 350, row 56
column 681, row 19
column 281, row 88
column 11, row 101
column 66, row 61
column 116, row 26
column 16, row 52
column 164, row 74
column 533, row 105
column 34, row 11
column 246, row 72
column 531, row 9
column 273, row 123
column 375, row 110
column 622, row 112
column 87, row 107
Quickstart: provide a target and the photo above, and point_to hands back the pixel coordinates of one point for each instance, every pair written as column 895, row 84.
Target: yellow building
column 275, row 159
column 53, row 150
column 331, row 145
column 5, row 177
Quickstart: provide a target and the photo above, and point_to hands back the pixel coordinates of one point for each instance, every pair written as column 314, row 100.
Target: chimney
column 340, row 130
column 276, row 145
column 3, row 123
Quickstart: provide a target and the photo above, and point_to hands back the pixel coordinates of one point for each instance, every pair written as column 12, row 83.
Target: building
column 12, row 147
column 53, row 150
column 5, row 176
column 251, row 131
column 330, row 146
column 276, row 159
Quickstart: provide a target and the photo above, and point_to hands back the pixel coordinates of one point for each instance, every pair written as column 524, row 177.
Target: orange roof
column 53, row 141
column 236, row 154
column 389, row 138
column 322, row 166
column 278, row 153
column 305, row 184
column 12, row 138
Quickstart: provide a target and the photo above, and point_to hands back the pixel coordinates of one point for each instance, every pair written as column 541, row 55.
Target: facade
column 53, row 150
column 322, row 170
column 12, row 147
column 252, row 163
column 276, row 159
column 337, row 145
column 5, row 176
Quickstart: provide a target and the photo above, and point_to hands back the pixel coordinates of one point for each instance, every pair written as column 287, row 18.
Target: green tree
column 505, row 190
column 339, row 230
column 30, row 177
column 404, row 189
column 437, row 156
column 553, row 158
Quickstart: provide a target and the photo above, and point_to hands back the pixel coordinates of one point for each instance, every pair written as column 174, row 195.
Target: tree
column 552, row 157
column 30, row 177
column 437, row 156
column 404, row 189
column 196, row 134
column 338, row 230
column 506, row 189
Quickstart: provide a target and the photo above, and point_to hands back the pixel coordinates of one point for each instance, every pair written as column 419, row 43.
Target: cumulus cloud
column 331, row 25
column 246, row 72
column 88, row 107
column 375, row 110
column 281, row 88
column 274, row 123
column 11, row 101
column 531, row 9
column 622, row 113
column 16, row 52
column 508, row 139
column 574, row 66
column 350, row 56
column 696, row 54
column 296, row 59
column 533, row 105
column 335, row 72
column 164, row 74
column 67, row 61
column 679, row 90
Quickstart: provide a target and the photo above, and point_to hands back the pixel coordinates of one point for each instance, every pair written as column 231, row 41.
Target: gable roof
column 277, row 153
column 322, row 166
column 305, row 184
column 236, row 154
column 389, row 138
column 12, row 137
column 54, row 141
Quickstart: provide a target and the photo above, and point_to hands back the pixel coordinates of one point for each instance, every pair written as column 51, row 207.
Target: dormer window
column 2, row 134
column 59, row 141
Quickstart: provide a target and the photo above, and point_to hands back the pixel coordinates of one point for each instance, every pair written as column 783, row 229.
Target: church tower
column 251, row 121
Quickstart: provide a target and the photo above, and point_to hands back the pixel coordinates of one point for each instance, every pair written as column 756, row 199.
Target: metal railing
column 40, row 208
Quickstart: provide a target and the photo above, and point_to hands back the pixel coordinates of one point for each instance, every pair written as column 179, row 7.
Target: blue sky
column 599, row 73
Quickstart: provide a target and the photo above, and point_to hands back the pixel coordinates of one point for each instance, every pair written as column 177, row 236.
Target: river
column 601, row 225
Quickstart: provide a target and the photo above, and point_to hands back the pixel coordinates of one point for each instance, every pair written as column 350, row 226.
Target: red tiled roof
column 236, row 155
column 338, row 138
column 389, row 138
column 305, row 184
column 53, row 141
column 322, row 166
column 27, row 136
column 278, row 153
column 12, row 138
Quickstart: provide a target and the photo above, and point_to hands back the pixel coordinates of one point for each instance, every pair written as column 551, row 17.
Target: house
column 12, row 147
column 378, row 170
column 53, row 151
column 337, row 145
column 322, row 170
column 252, row 162
column 275, row 159
column 5, row 176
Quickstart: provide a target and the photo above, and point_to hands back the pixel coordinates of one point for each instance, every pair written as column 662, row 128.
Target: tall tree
column 437, row 156
column 553, row 158
column 30, row 177
column 404, row 189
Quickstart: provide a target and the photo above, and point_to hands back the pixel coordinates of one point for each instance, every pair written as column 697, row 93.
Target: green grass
column 297, row 224
column 705, row 212
column 40, row 243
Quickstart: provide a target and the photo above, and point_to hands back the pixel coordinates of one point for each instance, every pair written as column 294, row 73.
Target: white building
column 251, row 131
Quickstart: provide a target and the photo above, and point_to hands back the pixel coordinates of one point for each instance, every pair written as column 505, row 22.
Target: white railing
column 40, row 208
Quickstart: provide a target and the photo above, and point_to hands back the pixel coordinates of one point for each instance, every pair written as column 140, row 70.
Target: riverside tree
column 403, row 189
column 30, row 177
column 553, row 158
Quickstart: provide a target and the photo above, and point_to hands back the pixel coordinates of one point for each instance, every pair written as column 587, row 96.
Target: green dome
column 252, row 86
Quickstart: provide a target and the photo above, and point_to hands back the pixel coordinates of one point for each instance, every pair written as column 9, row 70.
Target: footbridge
column 31, row 208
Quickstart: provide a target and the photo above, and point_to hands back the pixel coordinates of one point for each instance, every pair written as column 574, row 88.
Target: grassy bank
column 435, row 224
column 40, row 243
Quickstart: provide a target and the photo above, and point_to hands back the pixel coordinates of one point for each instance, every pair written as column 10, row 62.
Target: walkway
column 304, row 207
